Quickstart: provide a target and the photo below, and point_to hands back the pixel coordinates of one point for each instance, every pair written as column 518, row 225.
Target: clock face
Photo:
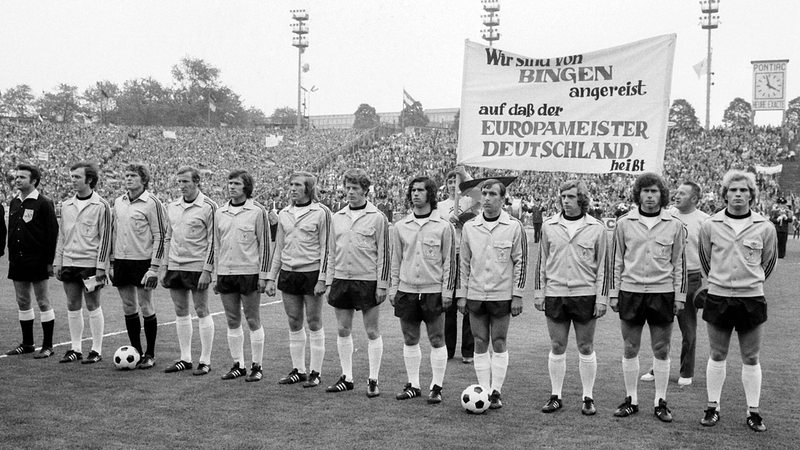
column 769, row 85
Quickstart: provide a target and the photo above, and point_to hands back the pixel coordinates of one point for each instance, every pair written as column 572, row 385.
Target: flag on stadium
column 212, row 106
column 701, row 68
column 169, row 135
column 43, row 155
column 408, row 100
column 272, row 140
column 104, row 93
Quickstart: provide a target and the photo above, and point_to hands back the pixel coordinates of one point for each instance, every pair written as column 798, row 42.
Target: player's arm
column 519, row 256
column 162, row 272
column 158, row 228
column 704, row 248
column 264, row 238
column 616, row 261
column 680, row 277
column 384, row 257
column 449, row 271
column 275, row 264
column 600, row 250
column 324, row 230
column 540, row 272
column 104, row 252
column 51, row 233
column 397, row 256
column 769, row 253
column 58, row 261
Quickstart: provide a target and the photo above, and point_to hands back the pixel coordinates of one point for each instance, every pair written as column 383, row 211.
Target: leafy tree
column 193, row 74
column 59, row 105
column 145, row 102
column 738, row 114
column 284, row 116
column 100, row 99
column 792, row 117
column 683, row 115
column 413, row 116
column 17, row 101
column 366, row 117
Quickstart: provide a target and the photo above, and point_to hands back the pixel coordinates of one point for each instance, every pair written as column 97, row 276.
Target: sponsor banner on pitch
column 599, row 112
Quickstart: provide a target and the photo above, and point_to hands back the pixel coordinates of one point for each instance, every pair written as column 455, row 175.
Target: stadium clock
column 769, row 85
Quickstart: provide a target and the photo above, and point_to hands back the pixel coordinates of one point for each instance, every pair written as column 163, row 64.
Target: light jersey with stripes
column 241, row 240
column 647, row 259
column 301, row 240
column 190, row 234
column 423, row 256
column 359, row 246
column 84, row 237
column 494, row 261
column 140, row 228
column 737, row 264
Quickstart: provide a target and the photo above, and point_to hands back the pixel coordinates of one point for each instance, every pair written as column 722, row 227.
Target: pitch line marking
column 161, row 324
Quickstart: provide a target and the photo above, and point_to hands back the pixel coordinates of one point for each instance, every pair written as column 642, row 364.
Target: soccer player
column 140, row 228
column 359, row 276
column 241, row 247
column 82, row 258
column 423, row 282
column 300, row 263
column 568, row 285
column 450, row 210
column 494, row 259
column 685, row 200
column 32, row 237
column 738, row 251
column 647, row 285
column 190, row 249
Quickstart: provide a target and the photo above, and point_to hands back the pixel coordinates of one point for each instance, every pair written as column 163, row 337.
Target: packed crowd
column 699, row 156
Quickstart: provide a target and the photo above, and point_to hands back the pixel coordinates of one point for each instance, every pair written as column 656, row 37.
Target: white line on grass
column 161, row 324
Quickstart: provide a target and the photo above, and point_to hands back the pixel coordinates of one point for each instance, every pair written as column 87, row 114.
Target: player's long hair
column 739, row 175
column 583, row 194
column 309, row 182
column 140, row 169
column 90, row 171
column 36, row 176
column 646, row 180
column 430, row 190
column 247, row 180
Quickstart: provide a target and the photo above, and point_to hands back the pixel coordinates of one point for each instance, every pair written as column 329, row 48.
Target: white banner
column 772, row 170
column 169, row 134
column 598, row 112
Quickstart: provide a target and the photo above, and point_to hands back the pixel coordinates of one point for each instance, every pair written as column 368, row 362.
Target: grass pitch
column 45, row 404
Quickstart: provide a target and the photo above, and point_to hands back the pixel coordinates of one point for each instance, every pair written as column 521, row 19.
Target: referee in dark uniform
column 32, row 236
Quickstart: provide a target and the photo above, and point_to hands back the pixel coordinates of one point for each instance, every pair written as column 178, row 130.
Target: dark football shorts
column 27, row 272
column 741, row 313
column 76, row 274
column 353, row 294
column 181, row 279
column 418, row 307
column 129, row 272
column 655, row 308
column 492, row 308
column 297, row 283
column 564, row 309
column 237, row 284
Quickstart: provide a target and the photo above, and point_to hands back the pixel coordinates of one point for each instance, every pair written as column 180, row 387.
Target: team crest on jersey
column 27, row 216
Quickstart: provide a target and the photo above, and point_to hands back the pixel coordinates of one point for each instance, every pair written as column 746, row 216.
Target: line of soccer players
column 435, row 257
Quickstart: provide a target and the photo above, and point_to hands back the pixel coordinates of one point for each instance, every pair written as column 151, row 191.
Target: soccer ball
column 475, row 399
column 126, row 357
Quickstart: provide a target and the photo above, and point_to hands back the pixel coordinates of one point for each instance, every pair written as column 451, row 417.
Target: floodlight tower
column 709, row 21
column 492, row 20
column 300, row 29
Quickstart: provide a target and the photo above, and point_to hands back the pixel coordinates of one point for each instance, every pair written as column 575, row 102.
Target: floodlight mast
column 300, row 40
